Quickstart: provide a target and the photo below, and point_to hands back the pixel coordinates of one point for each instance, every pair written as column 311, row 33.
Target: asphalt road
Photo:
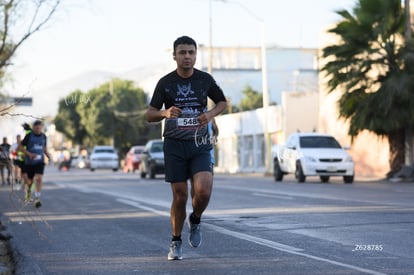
column 114, row 223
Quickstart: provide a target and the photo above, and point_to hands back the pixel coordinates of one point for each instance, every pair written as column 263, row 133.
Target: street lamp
column 265, row 88
column 210, row 35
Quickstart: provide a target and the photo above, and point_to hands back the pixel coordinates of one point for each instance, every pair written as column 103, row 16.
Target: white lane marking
column 260, row 241
column 111, row 193
column 134, row 201
column 288, row 249
column 272, row 196
column 256, row 240
column 140, row 206
column 310, row 195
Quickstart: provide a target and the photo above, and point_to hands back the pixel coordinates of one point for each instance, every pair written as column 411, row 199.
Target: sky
column 121, row 35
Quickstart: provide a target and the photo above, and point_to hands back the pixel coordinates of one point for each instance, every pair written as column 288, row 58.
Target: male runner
column 34, row 147
column 5, row 160
column 28, row 188
column 17, row 161
column 184, row 93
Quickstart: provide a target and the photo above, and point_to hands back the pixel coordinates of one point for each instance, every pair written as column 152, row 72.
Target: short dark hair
column 184, row 40
column 37, row 122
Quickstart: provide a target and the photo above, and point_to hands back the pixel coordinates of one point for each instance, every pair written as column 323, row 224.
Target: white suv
column 312, row 154
column 104, row 157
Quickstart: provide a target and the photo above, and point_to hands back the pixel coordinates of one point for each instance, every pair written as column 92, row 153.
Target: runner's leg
column 2, row 173
column 38, row 187
column 38, row 180
column 28, row 177
column 17, row 172
column 178, row 207
column 201, row 187
column 9, row 171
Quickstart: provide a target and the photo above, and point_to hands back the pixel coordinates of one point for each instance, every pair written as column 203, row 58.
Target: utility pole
column 265, row 86
column 210, row 38
column 265, row 89
column 111, row 93
column 409, row 159
column 265, row 98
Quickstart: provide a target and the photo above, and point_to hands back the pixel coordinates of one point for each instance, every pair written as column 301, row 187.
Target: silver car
column 104, row 157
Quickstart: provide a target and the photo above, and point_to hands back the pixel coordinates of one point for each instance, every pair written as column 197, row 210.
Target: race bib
column 187, row 122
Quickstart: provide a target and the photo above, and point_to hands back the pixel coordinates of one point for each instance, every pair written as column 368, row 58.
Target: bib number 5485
column 187, row 122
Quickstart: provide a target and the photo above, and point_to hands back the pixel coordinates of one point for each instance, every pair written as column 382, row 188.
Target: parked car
column 104, row 157
column 312, row 154
column 152, row 161
column 133, row 158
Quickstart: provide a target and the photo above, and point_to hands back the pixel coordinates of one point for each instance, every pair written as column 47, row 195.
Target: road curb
column 6, row 258
column 22, row 263
column 14, row 262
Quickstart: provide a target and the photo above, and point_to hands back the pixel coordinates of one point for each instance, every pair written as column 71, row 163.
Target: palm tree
column 372, row 65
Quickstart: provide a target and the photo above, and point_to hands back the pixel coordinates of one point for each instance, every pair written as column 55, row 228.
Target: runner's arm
column 214, row 128
column 154, row 112
column 46, row 152
column 204, row 118
column 156, row 115
column 23, row 145
column 24, row 151
column 216, row 94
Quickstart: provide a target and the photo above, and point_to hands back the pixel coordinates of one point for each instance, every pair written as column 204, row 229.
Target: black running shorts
column 183, row 159
column 32, row 170
column 18, row 163
column 23, row 167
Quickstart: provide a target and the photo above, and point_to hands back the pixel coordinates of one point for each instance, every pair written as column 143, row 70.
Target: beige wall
column 300, row 112
column 369, row 151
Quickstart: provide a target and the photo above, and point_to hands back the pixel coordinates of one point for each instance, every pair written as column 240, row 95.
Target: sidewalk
column 6, row 261
column 7, row 254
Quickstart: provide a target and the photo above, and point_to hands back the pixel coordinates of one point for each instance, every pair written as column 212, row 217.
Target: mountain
column 45, row 100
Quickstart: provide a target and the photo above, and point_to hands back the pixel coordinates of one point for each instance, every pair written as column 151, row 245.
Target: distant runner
column 5, row 161
column 34, row 146
column 17, row 160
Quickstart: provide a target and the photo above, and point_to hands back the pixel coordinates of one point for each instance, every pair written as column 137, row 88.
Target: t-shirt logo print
column 184, row 90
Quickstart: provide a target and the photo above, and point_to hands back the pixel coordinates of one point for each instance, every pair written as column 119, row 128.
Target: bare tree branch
column 19, row 114
column 32, row 29
column 5, row 32
column 6, row 110
column 9, row 48
column 34, row 17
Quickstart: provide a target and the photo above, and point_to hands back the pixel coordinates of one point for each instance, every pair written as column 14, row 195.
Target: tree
column 129, row 105
column 68, row 119
column 96, row 116
column 15, row 15
column 19, row 20
column 252, row 99
column 373, row 68
column 113, row 111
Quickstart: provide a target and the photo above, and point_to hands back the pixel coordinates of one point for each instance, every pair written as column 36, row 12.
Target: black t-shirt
column 190, row 95
column 5, row 151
